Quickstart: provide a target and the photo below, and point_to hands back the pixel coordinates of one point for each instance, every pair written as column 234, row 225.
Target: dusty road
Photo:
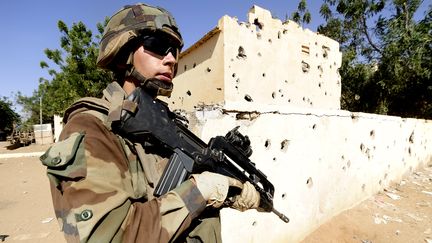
column 26, row 213
column 402, row 213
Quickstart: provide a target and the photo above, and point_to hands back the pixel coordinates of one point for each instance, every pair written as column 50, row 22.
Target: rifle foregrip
column 177, row 171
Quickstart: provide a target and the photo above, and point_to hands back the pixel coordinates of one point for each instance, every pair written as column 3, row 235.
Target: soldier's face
column 152, row 65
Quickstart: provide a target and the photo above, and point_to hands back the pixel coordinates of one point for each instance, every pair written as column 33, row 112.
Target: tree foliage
column 73, row 76
column 302, row 15
column 8, row 116
column 386, row 66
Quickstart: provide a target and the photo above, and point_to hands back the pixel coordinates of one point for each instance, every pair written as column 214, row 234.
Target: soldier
column 101, row 182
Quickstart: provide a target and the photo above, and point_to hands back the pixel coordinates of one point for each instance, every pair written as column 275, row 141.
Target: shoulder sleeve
column 92, row 192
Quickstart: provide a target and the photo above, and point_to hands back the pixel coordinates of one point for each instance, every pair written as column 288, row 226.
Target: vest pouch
column 66, row 159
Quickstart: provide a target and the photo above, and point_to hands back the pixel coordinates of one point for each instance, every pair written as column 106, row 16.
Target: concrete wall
column 282, row 87
column 239, row 65
column 58, row 126
column 320, row 163
column 43, row 134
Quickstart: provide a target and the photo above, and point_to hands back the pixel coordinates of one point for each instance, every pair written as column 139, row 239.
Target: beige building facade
column 280, row 83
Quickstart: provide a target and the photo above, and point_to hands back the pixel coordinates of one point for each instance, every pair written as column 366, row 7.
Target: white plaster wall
column 331, row 161
column 264, row 58
column 200, row 71
column 58, row 127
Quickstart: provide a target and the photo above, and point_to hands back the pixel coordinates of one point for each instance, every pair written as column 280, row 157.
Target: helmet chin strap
column 153, row 86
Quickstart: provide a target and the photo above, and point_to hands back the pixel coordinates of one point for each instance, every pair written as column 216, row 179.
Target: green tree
column 386, row 66
column 74, row 75
column 302, row 15
column 8, row 116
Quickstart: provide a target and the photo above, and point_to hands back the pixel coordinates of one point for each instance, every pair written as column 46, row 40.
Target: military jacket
column 102, row 186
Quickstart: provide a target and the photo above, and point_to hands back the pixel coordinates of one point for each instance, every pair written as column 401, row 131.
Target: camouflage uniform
column 102, row 185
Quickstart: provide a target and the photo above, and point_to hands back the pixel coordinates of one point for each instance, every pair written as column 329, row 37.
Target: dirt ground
column 402, row 213
column 26, row 213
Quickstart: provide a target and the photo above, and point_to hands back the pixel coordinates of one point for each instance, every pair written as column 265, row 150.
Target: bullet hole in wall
column 259, row 26
column 283, row 195
column 241, row 53
column 248, row 98
column 309, row 182
column 185, row 67
column 325, row 51
column 270, row 41
column 273, row 95
column 362, row 147
column 411, row 137
column 208, row 69
column 372, row 133
column 254, row 223
column 279, row 35
column 259, row 54
column 238, row 80
column 305, row 67
column 194, row 65
column 263, row 74
column 284, row 145
column 258, row 36
column 189, row 93
column 274, row 159
column 314, row 126
column 267, row 143
column 219, row 89
column 233, row 75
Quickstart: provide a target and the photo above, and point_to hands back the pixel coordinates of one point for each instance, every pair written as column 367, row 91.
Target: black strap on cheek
column 154, row 87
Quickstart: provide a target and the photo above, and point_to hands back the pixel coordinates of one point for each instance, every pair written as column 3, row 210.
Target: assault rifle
column 151, row 122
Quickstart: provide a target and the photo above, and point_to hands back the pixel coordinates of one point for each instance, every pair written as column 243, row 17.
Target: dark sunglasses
column 160, row 46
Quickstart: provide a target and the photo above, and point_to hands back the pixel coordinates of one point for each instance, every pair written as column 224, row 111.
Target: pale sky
column 29, row 27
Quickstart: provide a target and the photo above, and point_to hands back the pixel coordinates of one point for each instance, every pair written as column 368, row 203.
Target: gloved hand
column 214, row 188
column 249, row 198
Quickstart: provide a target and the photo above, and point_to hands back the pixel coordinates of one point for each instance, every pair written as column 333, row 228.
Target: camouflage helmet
column 129, row 23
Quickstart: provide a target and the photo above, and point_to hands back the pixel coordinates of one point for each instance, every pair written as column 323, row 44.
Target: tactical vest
column 108, row 110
